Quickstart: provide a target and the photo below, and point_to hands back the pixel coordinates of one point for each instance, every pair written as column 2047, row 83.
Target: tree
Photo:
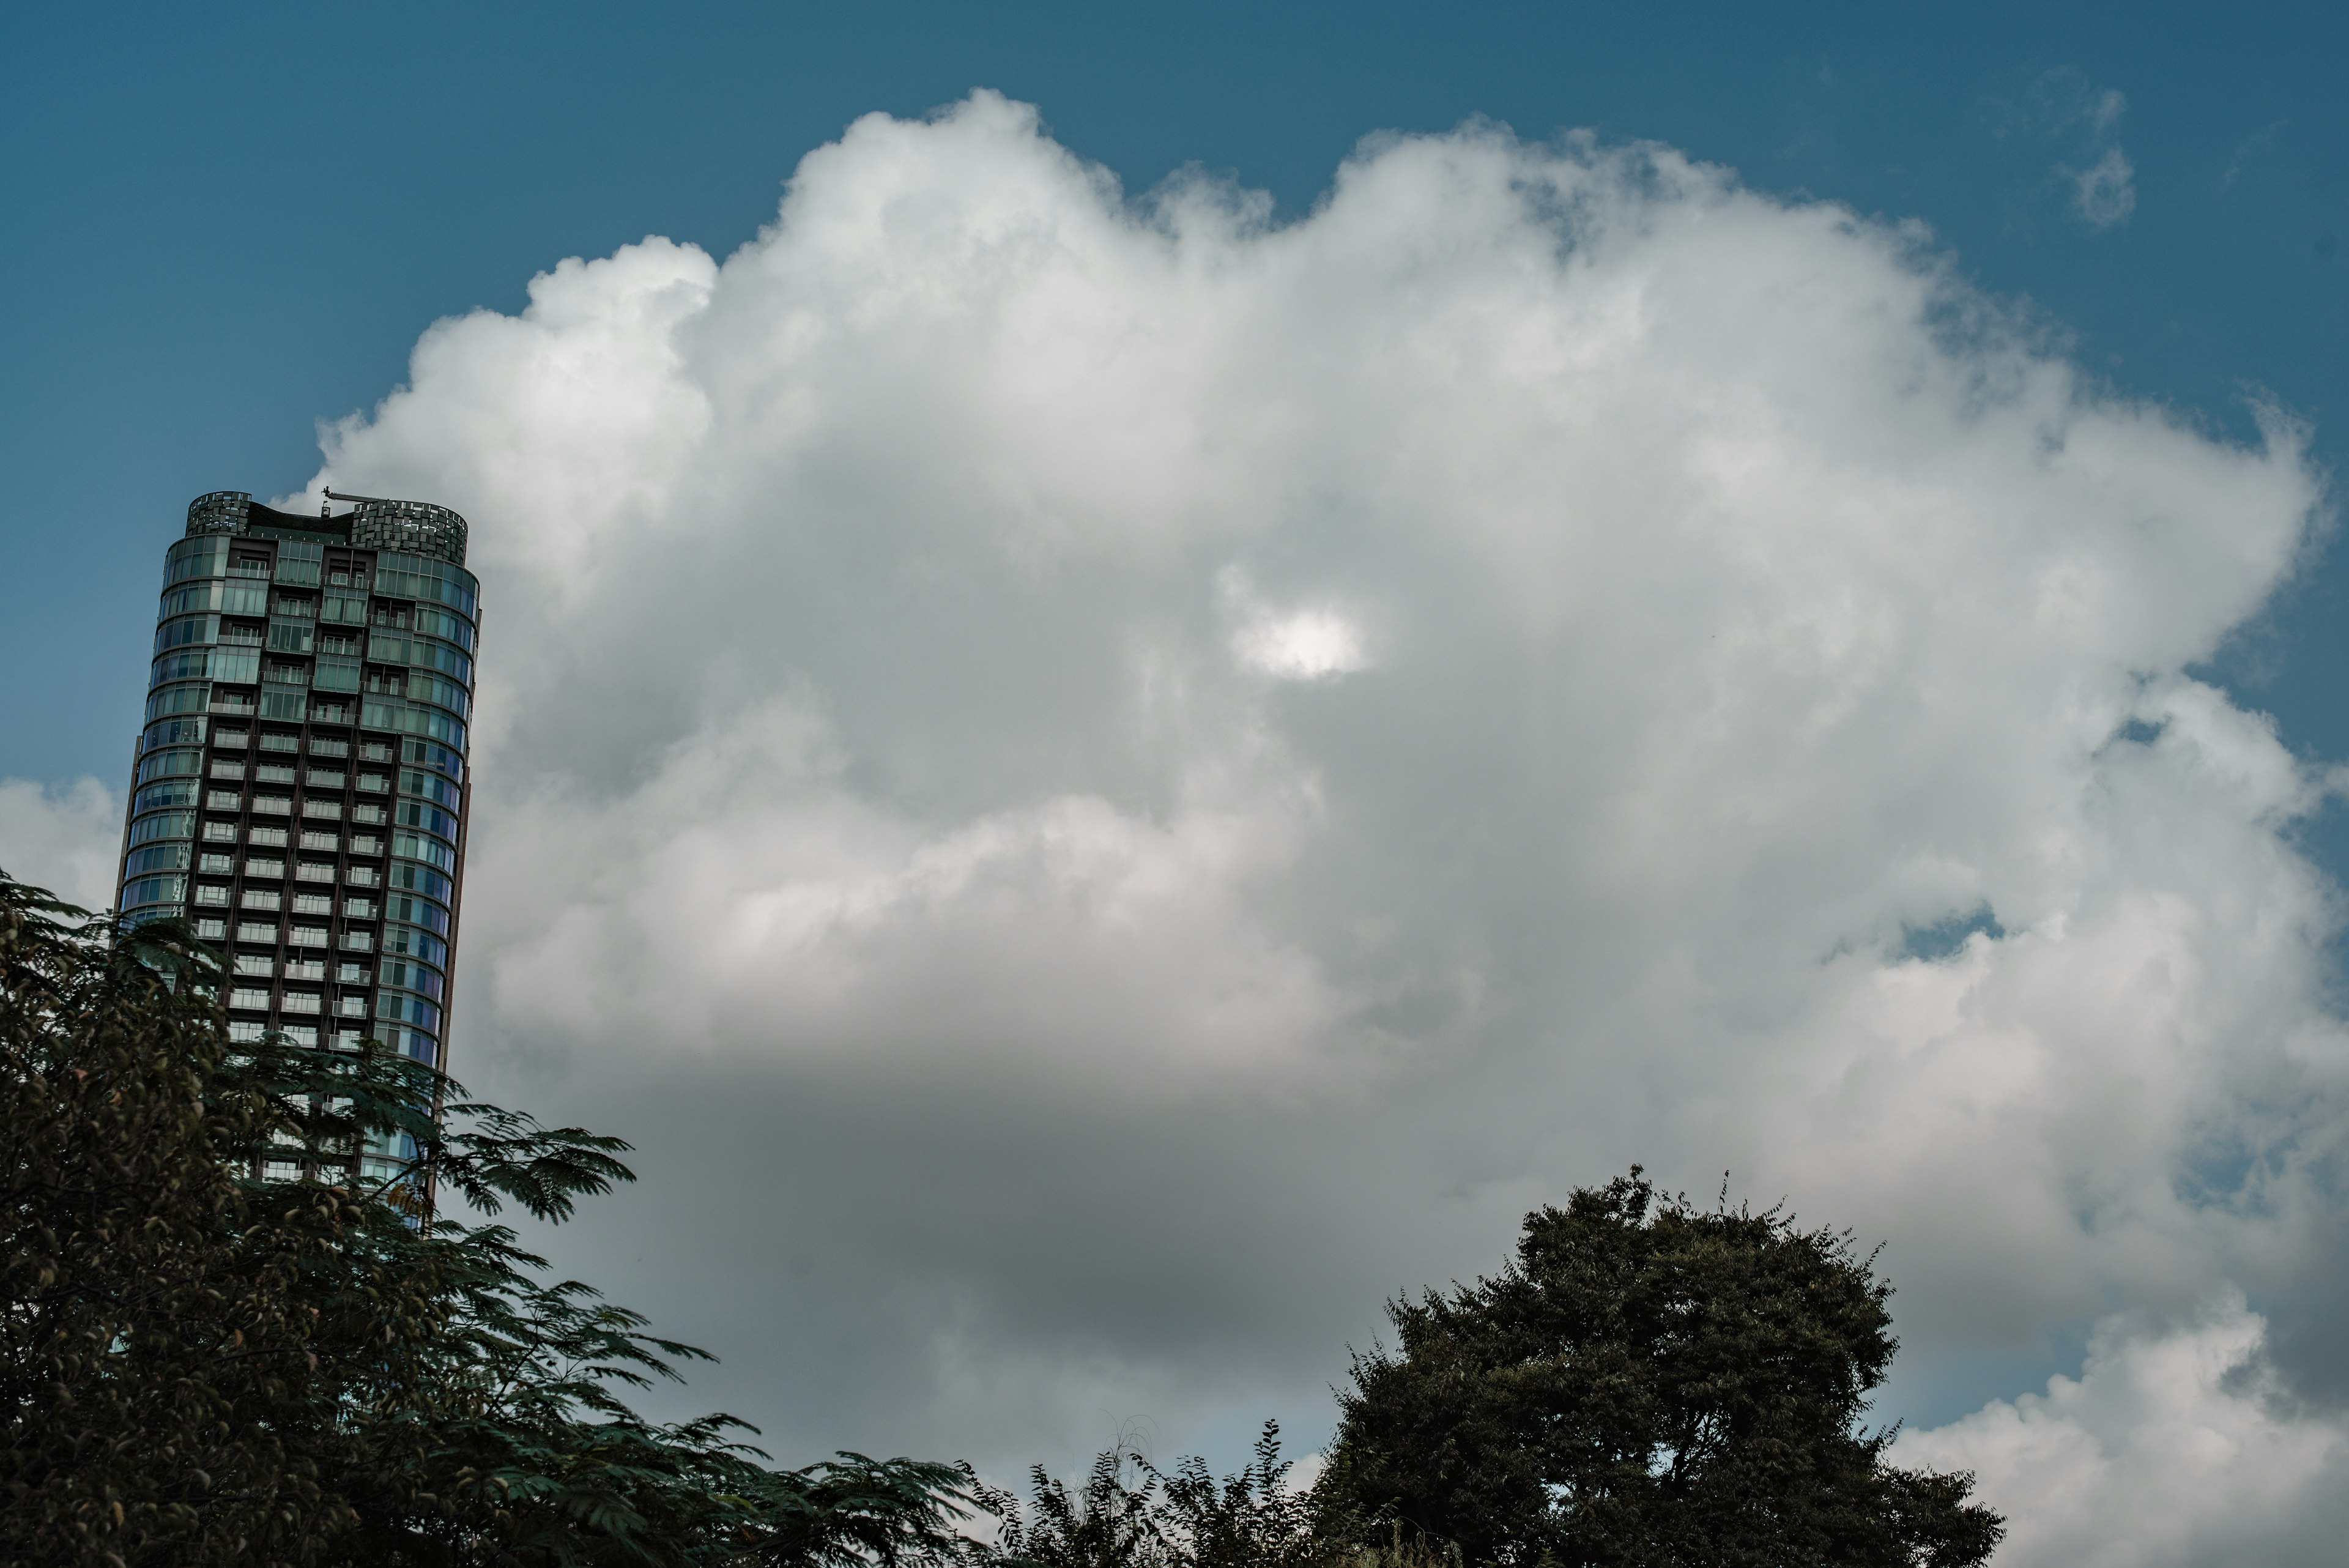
column 1646, row 1383
column 1130, row 1514
column 198, row 1367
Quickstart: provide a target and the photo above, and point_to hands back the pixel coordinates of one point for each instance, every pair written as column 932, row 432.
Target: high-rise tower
column 299, row 794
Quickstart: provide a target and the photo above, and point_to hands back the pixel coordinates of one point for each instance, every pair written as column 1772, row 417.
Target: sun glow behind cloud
column 1103, row 784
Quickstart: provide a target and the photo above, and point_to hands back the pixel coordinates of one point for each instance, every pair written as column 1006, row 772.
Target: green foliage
column 1128, row 1515
column 199, row 1367
column 1646, row 1383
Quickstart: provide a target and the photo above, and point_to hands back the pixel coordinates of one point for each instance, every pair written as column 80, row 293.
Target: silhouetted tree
column 1647, row 1384
column 198, row 1367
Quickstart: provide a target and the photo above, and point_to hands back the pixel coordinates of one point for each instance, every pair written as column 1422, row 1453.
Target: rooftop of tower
column 416, row 527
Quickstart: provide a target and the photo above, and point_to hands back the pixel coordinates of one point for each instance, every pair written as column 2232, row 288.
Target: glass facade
column 299, row 791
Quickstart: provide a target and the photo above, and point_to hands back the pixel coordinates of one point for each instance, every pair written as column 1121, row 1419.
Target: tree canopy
column 201, row 1367
column 1645, row 1383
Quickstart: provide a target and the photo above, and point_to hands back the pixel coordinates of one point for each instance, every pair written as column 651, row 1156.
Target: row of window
column 259, row 870
column 272, row 901
column 193, row 633
column 300, row 564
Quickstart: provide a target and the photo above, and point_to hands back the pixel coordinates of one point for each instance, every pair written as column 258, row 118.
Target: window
column 212, row 930
column 306, row 936
column 375, row 782
column 431, row 786
column 212, row 894
column 220, row 833
column 358, row 942
column 366, row 844
column 305, row 969
column 350, row 973
column 223, row 800
column 216, row 865
column 358, row 908
column 241, row 636
column 162, row 797
column 363, row 811
column 362, row 876
column 300, row 609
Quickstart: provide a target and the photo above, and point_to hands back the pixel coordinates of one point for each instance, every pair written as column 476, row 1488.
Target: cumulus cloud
column 1102, row 783
column 2175, row 1445
column 65, row 838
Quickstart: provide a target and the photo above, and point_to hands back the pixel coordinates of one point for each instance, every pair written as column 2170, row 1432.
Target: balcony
column 358, row 941
column 306, row 936
column 323, row 810
column 272, row 806
column 229, row 771
column 315, row 871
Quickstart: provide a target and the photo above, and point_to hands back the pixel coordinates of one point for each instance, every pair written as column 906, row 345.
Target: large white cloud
column 1102, row 784
column 67, row 839
column 2177, row 1445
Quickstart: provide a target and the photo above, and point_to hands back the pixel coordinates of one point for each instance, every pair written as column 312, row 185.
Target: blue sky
column 1273, row 883
column 228, row 224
